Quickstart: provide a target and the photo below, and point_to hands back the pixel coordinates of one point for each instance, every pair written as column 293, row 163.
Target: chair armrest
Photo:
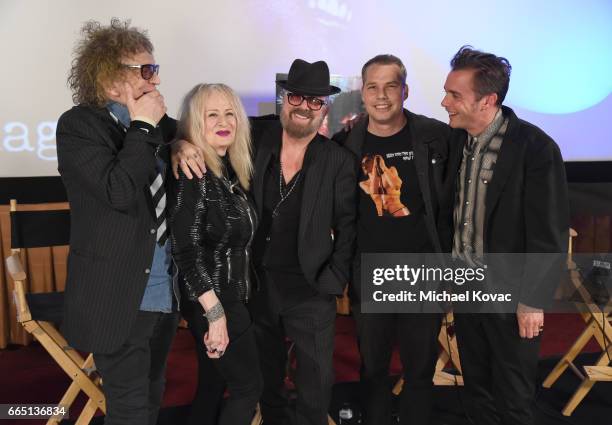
column 14, row 267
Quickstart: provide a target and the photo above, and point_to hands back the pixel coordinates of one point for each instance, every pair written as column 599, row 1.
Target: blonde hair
column 191, row 127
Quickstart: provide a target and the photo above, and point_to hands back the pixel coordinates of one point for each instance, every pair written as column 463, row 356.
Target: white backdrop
column 244, row 43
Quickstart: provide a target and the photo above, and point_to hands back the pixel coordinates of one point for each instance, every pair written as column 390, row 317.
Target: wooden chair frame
column 81, row 370
column 449, row 352
column 599, row 326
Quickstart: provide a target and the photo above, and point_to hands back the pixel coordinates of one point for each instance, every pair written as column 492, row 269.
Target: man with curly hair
column 119, row 301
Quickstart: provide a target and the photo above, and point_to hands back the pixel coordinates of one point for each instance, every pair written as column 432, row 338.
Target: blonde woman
column 213, row 225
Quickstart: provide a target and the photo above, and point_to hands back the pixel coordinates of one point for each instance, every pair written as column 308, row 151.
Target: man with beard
column 304, row 191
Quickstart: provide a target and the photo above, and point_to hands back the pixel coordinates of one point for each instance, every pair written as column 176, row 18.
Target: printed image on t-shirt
column 391, row 211
column 384, row 186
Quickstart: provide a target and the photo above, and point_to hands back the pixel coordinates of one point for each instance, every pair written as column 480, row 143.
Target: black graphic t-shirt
column 391, row 207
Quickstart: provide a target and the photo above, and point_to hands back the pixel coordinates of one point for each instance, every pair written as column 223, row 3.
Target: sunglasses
column 147, row 71
column 314, row 103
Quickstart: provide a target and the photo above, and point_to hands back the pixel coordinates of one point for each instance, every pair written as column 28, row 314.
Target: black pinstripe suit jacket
column 107, row 174
column 327, row 216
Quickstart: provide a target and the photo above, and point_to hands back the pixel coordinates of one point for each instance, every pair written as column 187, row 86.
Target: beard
column 300, row 130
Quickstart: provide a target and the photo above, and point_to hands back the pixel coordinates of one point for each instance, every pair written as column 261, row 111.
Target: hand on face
column 138, row 94
column 150, row 105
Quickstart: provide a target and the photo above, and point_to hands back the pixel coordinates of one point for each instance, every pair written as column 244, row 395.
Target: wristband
column 214, row 313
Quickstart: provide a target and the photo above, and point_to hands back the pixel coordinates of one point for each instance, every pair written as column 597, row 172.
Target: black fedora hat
column 308, row 79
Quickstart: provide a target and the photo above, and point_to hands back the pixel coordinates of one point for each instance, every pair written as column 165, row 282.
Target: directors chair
column 598, row 325
column 39, row 313
column 448, row 353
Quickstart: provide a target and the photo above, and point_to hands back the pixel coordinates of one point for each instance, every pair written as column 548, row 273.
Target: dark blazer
column 430, row 143
column 527, row 207
column 327, row 218
column 107, row 174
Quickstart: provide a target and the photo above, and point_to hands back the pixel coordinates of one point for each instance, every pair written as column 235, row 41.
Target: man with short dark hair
column 119, row 301
column 510, row 197
column 403, row 157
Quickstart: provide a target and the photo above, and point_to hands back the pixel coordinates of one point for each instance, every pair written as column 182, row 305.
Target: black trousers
column 237, row 369
column 311, row 326
column 499, row 369
column 134, row 375
column 417, row 338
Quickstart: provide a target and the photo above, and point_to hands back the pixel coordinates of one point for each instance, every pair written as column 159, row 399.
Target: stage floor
column 30, row 376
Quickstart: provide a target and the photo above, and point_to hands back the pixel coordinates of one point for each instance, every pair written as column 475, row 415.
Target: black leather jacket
column 211, row 228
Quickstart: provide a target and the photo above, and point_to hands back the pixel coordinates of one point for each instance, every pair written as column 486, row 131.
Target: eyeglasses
column 314, row 103
column 147, row 71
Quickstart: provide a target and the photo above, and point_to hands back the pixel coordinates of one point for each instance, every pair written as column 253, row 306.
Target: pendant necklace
column 285, row 195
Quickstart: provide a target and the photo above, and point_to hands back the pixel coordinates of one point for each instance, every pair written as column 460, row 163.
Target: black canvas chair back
column 33, row 229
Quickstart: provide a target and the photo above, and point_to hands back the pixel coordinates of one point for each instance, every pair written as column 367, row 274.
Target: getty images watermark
column 496, row 283
column 423, row 277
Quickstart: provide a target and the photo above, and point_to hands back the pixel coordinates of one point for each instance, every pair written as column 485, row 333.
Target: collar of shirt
column 120, row 112
column 485, row 137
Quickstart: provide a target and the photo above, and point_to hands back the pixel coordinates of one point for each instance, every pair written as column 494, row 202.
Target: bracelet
column 214, row 313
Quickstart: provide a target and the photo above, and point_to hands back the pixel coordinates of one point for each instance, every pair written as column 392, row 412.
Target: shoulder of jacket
column 82, row 116
column 534, row 138
column 337, row 150
column 428, row 122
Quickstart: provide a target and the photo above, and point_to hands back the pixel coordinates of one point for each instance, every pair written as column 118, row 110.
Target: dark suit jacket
column 327, row 218
column 107, row 174
column 527, row 207
column 430, row 143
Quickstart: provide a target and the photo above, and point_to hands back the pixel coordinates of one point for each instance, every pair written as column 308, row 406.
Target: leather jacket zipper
column 228, row 259
column 246, row 252
column 247, row 278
